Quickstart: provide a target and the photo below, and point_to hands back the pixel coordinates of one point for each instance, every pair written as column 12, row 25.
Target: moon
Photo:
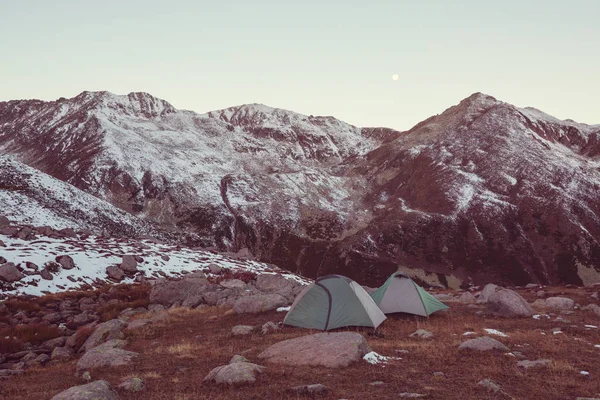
column 395, row 77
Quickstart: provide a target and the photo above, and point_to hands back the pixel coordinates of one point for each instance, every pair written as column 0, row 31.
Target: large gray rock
column 259, row 303
column 62, row 354
column 235, row 373
column 233, row 284
column 105, row 331
column 509, row 304
column 106, row 355
column 98, row 390
column 560, row 303
column 595, row 308
column 168, row 293
column 129, row 264
column 484, row 343
column 331, row 350
column 66, row 262
column 10, row 273
column 115, row 273
column 276, row 283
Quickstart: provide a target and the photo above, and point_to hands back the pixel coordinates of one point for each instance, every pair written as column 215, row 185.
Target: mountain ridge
column 317, row 195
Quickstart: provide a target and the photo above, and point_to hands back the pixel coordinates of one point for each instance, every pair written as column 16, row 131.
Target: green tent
column 334, row 301
column 401, row 294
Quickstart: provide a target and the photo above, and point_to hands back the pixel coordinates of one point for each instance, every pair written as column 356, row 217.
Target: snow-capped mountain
column 484, row 191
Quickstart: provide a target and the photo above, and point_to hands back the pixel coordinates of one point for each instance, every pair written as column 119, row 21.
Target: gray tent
column 401, row 294
column 334, row 301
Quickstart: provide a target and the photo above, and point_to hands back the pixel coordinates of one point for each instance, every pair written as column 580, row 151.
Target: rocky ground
column 168, row 339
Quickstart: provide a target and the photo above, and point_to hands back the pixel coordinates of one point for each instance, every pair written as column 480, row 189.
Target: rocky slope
column 484, row 191
column 28, row 196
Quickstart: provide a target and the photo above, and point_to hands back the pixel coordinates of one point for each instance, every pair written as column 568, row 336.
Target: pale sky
column 313, row 57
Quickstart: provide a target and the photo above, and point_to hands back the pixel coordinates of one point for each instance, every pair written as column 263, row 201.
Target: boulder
column 276, row 283
column 192, row 301
column 215, row 269
column 4, row 222
column 483, row 343
column 168, row 293
column 560, row 303
column 62, row 354
column 238, row 358
column 489, row 385
column 595, row 308
column 2, row 244
column 66, row 262
column 47, row 275
column 115, row 273
column 331, row 350
column 508, row 303
column 97, row 390
column 487, row 291
column 10, row 273
column 258, row 303
column 106, row 355
column 138, row 323
column 129, row 264
column 105, row 331
column 235, row 373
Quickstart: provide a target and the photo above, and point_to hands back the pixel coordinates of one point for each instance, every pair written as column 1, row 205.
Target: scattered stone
column 192, row 301
column 490, row 386
column 233, row 284
column 129, row 264
column 66, row 262
column 310, row 390
column 236, row 373
column 421, row 334
column 215, row 269
column 105, row 331
column 62, row 354
column 133, row 385
column 560, row 303
column 47, row 275
column 534, row 364
column 105, row 355
column 508, row 303
column 439, row 374
column 98, row 390
column 467, row 298
column 242, row 330
column 270, row 327
column 483, row 343
column 531, row 286
column 331, row 350
column 377, row 383
column 407, row 395
column 167, row 292
column 595, row 308
column 258, row 303
column 10, row 273
column 115, row 273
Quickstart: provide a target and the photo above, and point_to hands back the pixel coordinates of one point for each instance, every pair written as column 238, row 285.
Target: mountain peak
column 135, row 103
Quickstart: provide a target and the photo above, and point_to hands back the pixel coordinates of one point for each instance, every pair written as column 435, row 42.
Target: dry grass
column 176, row 354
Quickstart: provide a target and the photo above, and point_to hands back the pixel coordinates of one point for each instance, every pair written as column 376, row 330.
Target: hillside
column 485, row 191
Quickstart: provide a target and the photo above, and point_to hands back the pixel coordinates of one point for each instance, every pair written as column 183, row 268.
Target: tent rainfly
column 401, row 294
column 334, row 301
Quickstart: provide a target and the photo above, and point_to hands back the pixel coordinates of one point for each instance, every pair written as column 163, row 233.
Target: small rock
column 138, row 323
column 215, row 269
column 487, row 291
column 407, row 395
column 439, row 374
column 133, row 385
column 242, row 330
column 98, row 390
column 560, row 303
column 235, row 373
column 270, row 327
column 377, row 383
column 421, row 334
column 61, row 354
column 490, row 386
column 233, row 284
column 534, row 364
column 531, row 286
column 483, row 343
column 467, row 298
column 310, row 390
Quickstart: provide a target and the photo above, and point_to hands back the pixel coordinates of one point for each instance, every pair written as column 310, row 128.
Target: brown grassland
column 179, row 351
